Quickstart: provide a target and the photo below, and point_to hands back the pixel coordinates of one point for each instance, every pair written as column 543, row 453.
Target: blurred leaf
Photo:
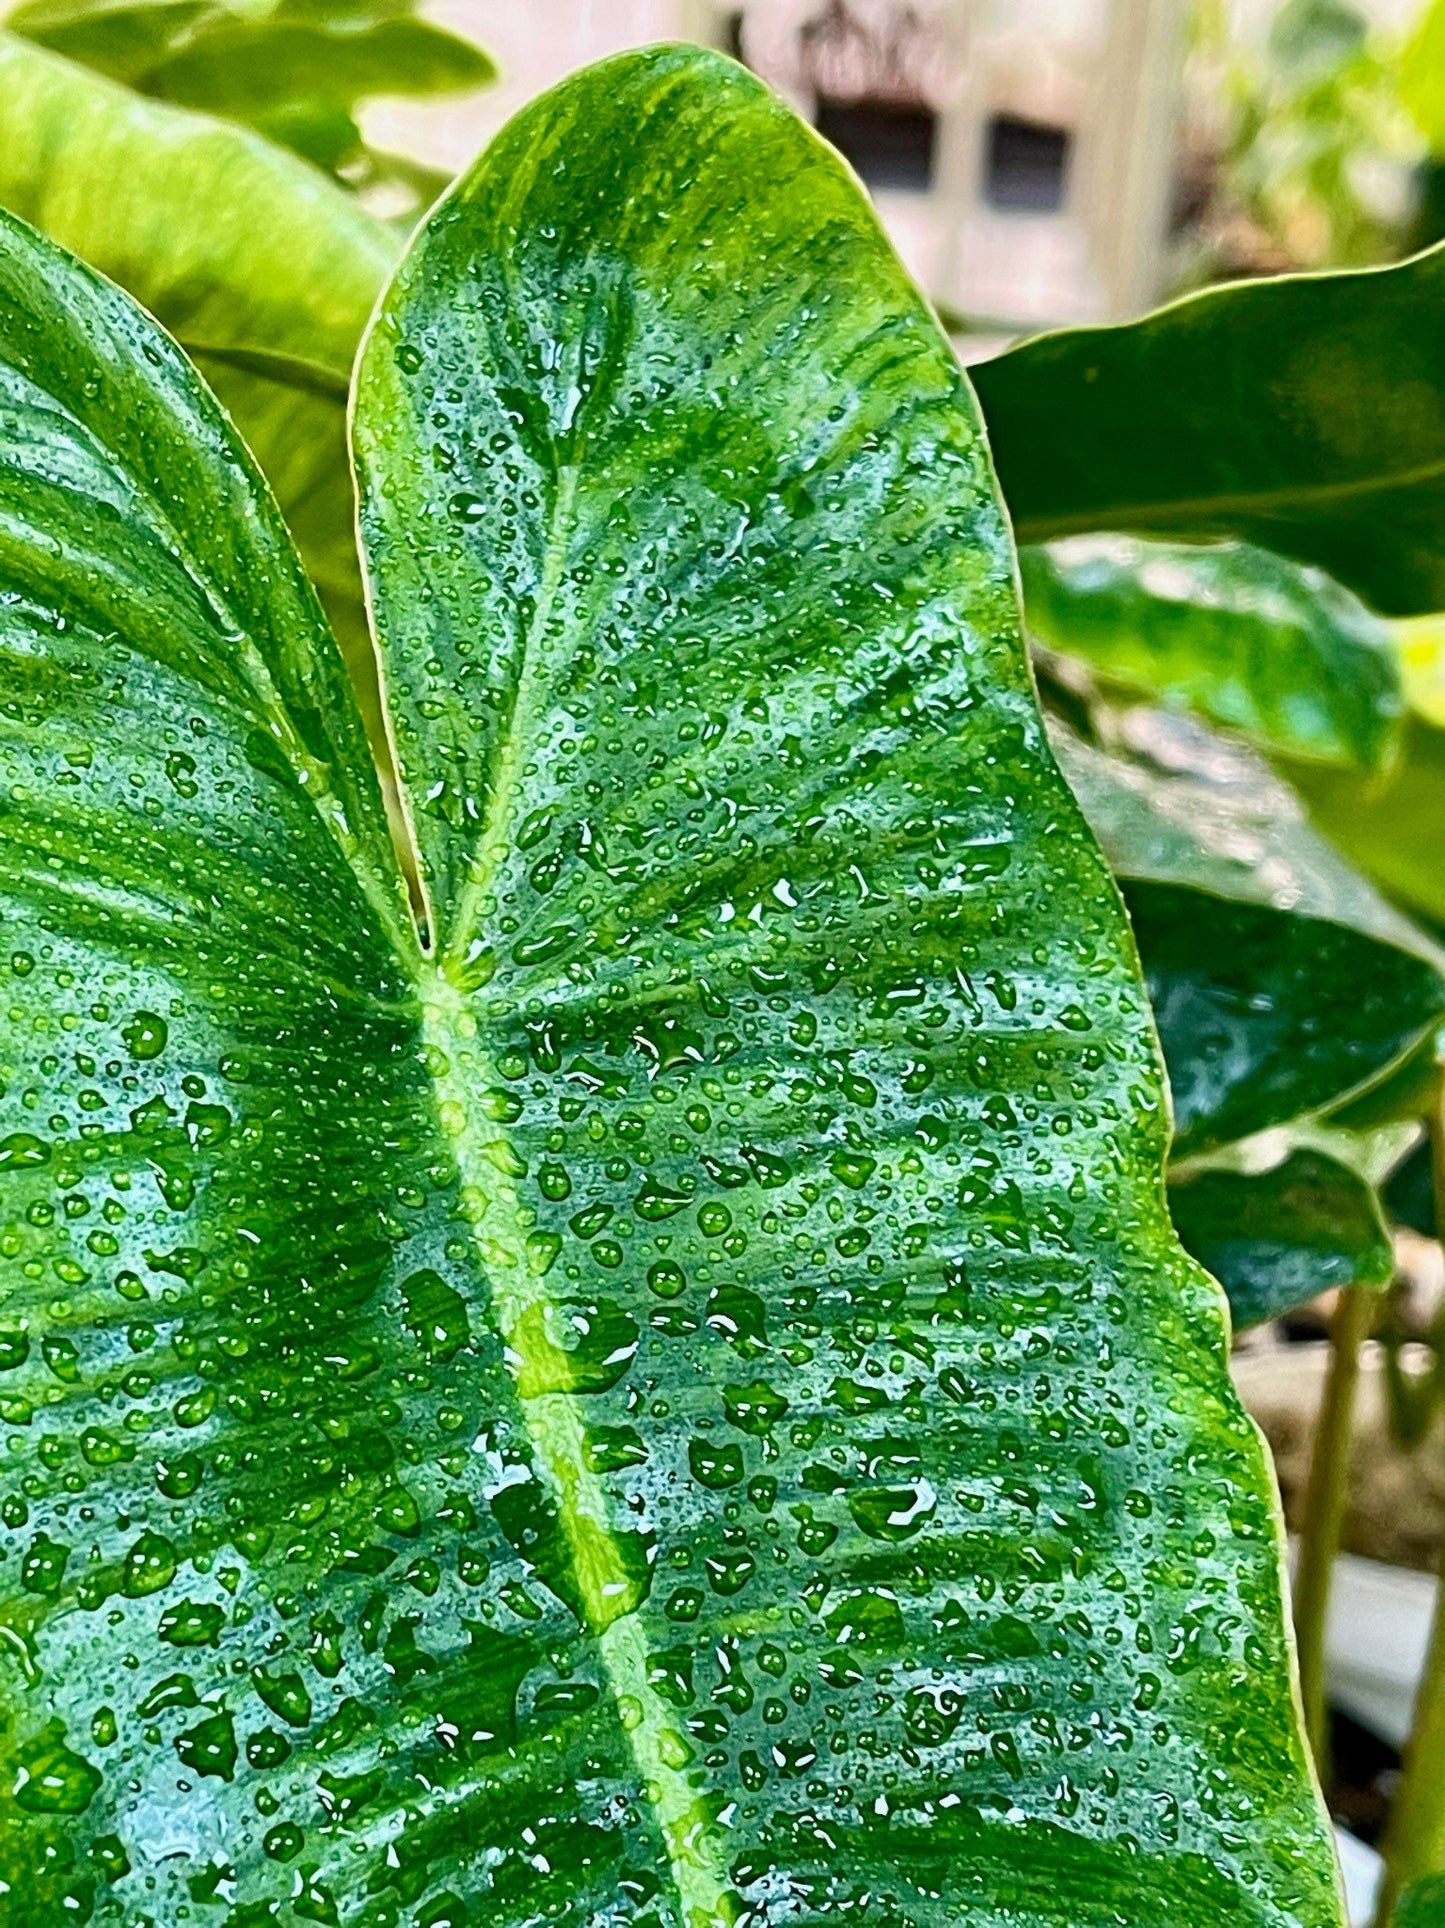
column 1422, row 75
column 263, row 270
column 1410, row 1089
column 1420, row 652
column 294, row 69
column 1409, row 1192
column 1305, row 414
column 1310, row 38
column 1276, row 1238
column 1422, row 1905
column 1391, row 824
column 1280, row 979
column 1245, row 638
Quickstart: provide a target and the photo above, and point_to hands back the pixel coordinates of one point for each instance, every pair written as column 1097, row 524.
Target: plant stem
column 1415, row 1843
column 1415, row 1840
column 1324, row 1509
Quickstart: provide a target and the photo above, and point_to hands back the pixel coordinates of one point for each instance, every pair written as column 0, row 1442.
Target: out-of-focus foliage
column 1304, row 414
column 1276, row 1237
column 262, row 268
column 1422, row 75
column 295, row 70
column 1317, row 144
column 1250, row 641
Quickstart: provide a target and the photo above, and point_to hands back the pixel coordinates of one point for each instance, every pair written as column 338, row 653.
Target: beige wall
column 534, row 43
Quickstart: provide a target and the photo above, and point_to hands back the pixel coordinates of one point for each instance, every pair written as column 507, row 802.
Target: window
column 889, row 142
column 1025, row 165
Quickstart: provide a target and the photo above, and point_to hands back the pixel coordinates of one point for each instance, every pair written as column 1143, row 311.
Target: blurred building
column 1020, row 151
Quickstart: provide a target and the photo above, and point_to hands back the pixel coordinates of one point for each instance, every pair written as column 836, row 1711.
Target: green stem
column 1415, row 1843
column 1324, row 1509
column 1415, row 1839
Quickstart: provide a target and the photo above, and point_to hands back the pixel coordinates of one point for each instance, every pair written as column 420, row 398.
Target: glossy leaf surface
column 1243, row 638
column 684, row 1404
column 296, row 70
column 1280, row 979
column 262, row 270
column 1306, row 415
column 1276, row 1238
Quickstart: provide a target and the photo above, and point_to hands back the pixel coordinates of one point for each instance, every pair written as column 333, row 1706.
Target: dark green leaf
column 1305, row 414
column 1276, row 1238
column 1244, row 638
column 1280, row 979
column 1422, row 1905
column 1409, row 1193
column 746, row 854
column 1410, row 1090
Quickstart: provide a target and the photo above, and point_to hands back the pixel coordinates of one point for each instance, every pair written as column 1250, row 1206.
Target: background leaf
column 296, row 70
column 1391, row 824
column 1157, row 428
column 1276, row 1238
column 264, row 271
column 1279, row 978
column 1246, row 639
column 1422, row 1905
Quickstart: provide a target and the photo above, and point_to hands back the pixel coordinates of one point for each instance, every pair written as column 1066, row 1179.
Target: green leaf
column 1280, row 979
column 1305, row 414
column 1409, row 1194
column 772, row 1524
column 1410, row 1091
column 1276, row 1238
column 1422, row 75
column 263, row 271
column 1422, row 1905
column 1244, row 638
column 294, row 69
column 1391, row 824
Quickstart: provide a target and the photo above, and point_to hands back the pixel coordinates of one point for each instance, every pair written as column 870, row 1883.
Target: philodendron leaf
column 264, row 271
column 1305, row 414
column 1276, row 1238
column 1246, row 639
column 297, row 70
column 1280, row 979
column 680, row 1403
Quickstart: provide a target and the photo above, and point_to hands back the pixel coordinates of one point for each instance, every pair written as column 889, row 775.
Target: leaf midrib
column 460, row 1068
column 1164, row 514
column 507, row 756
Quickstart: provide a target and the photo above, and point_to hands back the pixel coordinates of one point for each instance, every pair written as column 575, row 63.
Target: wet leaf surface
column 683, row 1396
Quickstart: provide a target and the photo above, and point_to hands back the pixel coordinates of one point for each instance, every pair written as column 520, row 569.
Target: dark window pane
column 1026, row 165
column 890, row 143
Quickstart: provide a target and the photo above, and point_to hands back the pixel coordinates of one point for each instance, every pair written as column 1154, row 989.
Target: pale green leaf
column 297, row 70
column 263, row 270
